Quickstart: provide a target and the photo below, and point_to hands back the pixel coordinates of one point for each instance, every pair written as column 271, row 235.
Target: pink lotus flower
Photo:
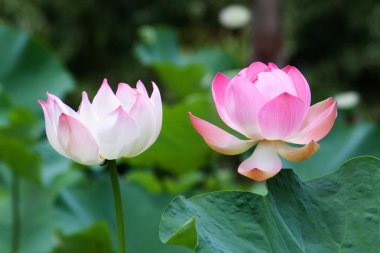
column 112, row 126
column 269, row 106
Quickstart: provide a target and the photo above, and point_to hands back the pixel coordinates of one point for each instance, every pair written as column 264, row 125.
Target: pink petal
column 126, row 96
column 105, row 101
column 296, row 154
column 77, row 141
column 301, row 85
column 317, row 124
column 272, row 66
column 316, row 110
column 219, row 86
column 271, row 84
column 253, row 70
column 262, row 164
column 116, row 134
column 281, row 116
column 87, row 114
column 51, row 131
column 287, row 69
column 144, row 115
column 242, row 103
column 218, row 139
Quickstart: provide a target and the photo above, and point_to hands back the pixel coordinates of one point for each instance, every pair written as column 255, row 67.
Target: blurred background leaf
column 86, row 203
column 93, row 239
column 36, row 216
column 30, row 69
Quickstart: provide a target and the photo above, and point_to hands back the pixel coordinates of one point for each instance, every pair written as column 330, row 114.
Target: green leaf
column 343, row 142
column 180, row 80
column 146, row 179
column 186, row 235
column 214, row 59
column 183, row 183
column 28, row 69
column 179, row 148
column 259, row 188
column 335, row 213
column 20, row 159
column 158, row 44
column 22, row 125
column 93, row 239
column 36, row 218
column 81, row 206
column 55, row 166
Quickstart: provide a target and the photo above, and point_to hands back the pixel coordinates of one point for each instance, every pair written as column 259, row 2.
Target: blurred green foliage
column 336, row 44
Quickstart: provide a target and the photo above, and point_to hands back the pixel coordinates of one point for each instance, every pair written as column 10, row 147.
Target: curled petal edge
column 296, row 154
column 319, row 123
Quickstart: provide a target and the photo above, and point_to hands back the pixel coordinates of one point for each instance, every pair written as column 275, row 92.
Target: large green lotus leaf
column 179, row 148
column 343, row 142
column 336, row 213
column 83, row 205
column 28, row 69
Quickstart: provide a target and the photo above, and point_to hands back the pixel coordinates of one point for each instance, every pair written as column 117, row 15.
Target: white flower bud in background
column 347, row 100
column 234, row 16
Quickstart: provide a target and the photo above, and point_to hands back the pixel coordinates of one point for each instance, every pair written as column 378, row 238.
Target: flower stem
column 118, row 206
column 15, row 213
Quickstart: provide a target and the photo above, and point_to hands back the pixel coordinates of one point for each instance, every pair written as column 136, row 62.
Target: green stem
column 118, row 206
column 15, row 213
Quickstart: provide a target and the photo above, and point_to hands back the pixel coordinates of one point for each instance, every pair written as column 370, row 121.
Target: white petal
column 140, row 87
column 155, row 99
column 87, row 114
column 62, row 106
column 105, row 101
column 126, row 95
column 143, row 114
column 51, row 130
column 77, row 141
column 116, row 134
